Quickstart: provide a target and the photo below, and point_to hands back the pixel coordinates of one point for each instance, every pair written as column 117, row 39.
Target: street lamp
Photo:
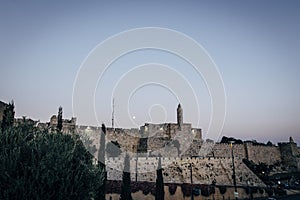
column 136, row 167
column 214, row 182
column 190, row 167
column 191, row 175
column 249, row 189
column 233, row 171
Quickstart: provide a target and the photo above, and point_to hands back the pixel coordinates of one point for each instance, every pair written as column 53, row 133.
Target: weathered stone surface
column 177, row 170
column 177, row 143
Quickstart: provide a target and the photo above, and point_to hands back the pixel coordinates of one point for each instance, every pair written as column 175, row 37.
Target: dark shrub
column 261, row 190
column 269, row 191
column 172, row 189
column 186, row 189
column 222, row 189
column 46, row 166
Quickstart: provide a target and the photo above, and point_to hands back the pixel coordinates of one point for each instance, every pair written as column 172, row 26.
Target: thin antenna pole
column 113, row 113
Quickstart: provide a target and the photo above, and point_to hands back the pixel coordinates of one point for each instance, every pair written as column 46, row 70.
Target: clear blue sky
column 255, row 45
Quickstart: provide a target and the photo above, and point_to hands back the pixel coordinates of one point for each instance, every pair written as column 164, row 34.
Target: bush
column 247, row 190
column 279, row 191
column 222, row 189
column 261, row 191
column 254, row 190
column 172, row 188
column 186, row 189
column 41, row 165
column 269, row 191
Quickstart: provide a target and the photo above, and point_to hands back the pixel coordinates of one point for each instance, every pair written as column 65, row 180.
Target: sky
column 254, row 44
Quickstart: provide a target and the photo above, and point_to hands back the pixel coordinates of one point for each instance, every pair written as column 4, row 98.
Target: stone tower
column 179, row 116
column 289, row 154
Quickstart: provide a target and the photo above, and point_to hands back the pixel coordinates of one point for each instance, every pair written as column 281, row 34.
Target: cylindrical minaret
column 179, row 116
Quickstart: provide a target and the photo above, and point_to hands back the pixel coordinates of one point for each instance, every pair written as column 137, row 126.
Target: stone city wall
column 177, row 170
column 224, row 150
column 265, row 154
column 127, row 138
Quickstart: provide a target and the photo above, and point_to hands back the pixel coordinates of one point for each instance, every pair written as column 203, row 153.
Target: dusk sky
column 254, row 44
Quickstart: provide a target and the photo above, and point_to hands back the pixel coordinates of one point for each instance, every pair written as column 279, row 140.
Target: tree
column 160, row 193
column 45, row 166
column 101, row 164
column 59, row 119
column 8, row 116
column 269, row 143
column 126, row 187
column 229, row 139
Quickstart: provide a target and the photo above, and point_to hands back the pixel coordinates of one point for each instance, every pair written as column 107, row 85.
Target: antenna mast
column 113, row 113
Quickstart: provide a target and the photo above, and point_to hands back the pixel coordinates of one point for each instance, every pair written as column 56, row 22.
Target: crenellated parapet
column 181, row 140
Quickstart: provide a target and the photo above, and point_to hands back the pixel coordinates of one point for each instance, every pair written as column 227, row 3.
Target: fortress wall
column 159, row 138
column 167, row 151
column 176, row 170
column 265, row 154
column 184, row 137
column 194, row 148
column 189, row 144
column 127, row 138
column 158, row 135
column 172, row 129
column 161, row 134
column 224, row 150
column 289, row 155
column 294, row 149
column 197, row 132
column 256, row 153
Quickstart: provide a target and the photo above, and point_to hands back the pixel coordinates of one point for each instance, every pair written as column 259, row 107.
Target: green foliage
column 269, row 191
column 227, row 140
column 261, row 191
column 59, row 119
column 101, row 164
column 269, row 143
column 99, row 186
column 8, row 116
column 126, row 187
column 41, row 165
column 280, row 191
